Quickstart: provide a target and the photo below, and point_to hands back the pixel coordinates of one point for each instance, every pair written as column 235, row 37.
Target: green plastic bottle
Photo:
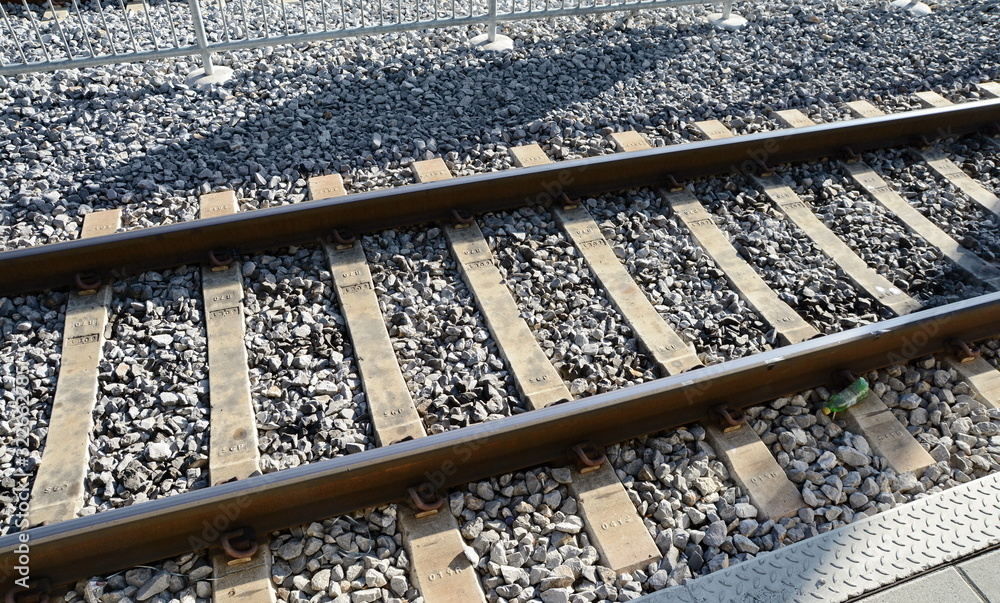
column 847, row 398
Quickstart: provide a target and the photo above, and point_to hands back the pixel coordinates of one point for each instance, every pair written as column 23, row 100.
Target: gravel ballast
column 151, row 420
column 452, row 367
column 977, row 157
column 680, row 279
column 573, row 320
column 789, row 262
column 32, row 329
column 350, row 559
column 949, row 209
column 527, row 540
column 703, row 522
column 877, row 237
column 135, row 136
column 186, row 579
column 304, row 380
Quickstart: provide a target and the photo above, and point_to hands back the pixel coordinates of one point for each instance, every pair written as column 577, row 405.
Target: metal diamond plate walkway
column 873, row 553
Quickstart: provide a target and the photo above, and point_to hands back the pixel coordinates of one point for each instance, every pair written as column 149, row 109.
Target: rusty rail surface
column 148, row 531
column 56, row 265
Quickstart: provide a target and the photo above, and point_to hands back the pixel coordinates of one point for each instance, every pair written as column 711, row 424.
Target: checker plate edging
column 867, row 554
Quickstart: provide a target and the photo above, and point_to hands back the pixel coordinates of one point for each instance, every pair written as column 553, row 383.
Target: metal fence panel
column 99, row 32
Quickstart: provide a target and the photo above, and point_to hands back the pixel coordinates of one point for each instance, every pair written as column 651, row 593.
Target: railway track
column 419, row 458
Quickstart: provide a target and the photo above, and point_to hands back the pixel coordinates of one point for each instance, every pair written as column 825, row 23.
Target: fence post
column 491, row 40
column 727, row 19
column 199, row 32
column 209, row 74
column 492, row 32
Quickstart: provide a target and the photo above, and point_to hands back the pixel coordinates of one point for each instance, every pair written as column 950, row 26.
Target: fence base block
column 482, row 42
column 732, row 23
column 915, row 8
column 198, row 79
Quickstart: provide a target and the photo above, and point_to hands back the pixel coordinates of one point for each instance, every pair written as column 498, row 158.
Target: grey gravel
column 346, row 559
column 977, row 157
column 150, row 435
column 699, row 519
column 937, row 199
column 304, row 380
column 452, row 366
column 135, row 136
column 526, row 531
column 32, row 340
column 799, row 272
column 185, row 579
column 873, row 233
column 574, row 322
column 703, row 522
column 154, row 586
column 856, row 470
column 681, row 280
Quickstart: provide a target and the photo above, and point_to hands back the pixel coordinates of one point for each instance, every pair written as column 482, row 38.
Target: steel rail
column 55, row 265
column 174, row 525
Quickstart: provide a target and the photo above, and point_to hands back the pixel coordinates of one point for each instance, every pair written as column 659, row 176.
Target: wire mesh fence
column 85, row 34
